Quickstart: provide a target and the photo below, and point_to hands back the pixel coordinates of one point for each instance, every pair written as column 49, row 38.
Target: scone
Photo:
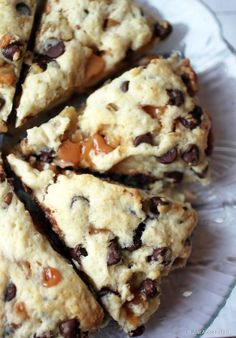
column 40, row 293
column 124, row 239
column 79, row 43
column 147, row 121
column 15, row 28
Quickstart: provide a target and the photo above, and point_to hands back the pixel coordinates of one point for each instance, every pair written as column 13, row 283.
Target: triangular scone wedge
column 40, row 293
column 15, row 28
column 146, row 122
column 79, row 43
column 124, row 239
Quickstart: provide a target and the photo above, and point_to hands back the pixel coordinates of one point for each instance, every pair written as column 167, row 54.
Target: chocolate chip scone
column 79, row 43
column 40, row 293
column 124, row 239
column 147, row 122
column 15, row 28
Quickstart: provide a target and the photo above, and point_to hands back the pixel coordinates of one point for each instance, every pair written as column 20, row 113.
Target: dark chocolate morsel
column 169, row 157
column 138, row 332
column 10, row 292
column 191, row 155
column 23, row 9
column 148, row 288
column 176, row 97
column 162, row 31
column 137, row 242
column 114, row 253
column 70, row 328
column 145, row 138
column 54, row 48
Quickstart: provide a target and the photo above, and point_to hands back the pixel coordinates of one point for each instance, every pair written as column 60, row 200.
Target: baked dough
column 124, row 239
column 15, row 28
column 147, row 121
column 79, row 43
column 40, row 293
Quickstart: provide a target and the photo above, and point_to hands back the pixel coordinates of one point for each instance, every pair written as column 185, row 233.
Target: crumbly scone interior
column 33, row 276
column 124, row 239
column 148, row 121
column 15, row 29
column 79, row 43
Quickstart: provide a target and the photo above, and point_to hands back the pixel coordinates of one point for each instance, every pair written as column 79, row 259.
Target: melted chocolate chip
column 138, row 332
column 10, row 292
column 137, row 242
column 176, row 176
column 191, row 155
column 105, row 291
column 23, row 9
column 54, row 48
column 164, row 253
column 42, row 61
column 13, row 51
column 114, row 253
column 148, row 288
column 176, row 97
column 145, row 138
column 78, row 251
column 162, row 31
column 194, row 118
column 154, row 202
column 8, row 198
column 124, row 86
column 186, row 80
column 169, row 157
column 2, row 102
column 70, row 328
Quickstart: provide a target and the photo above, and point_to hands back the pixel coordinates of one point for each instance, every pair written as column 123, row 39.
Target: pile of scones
column 106, row 175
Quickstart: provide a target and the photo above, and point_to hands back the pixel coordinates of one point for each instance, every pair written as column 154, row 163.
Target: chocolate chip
column 54, row 48
column 194, row 118
column 176, row 97
column 124, row 86
column 42, row 61
column 8, row 198
column 46, row 156
column 10, row 292
column 188, row 241
column 138, row 332
column 191, row 155
column 169, row 157
column 176, row 176
column 70, row 328
column 105, row 291
column 162, row 31
column 145, row 138
column 187, row 81
column 78, row 251
column 114, row 253
column 164, row 253
column 2, row 102
column 137, row 242
column 23, row 9
column 154, row 202
column 210, row 144
column 13, row 51
column 148, row 288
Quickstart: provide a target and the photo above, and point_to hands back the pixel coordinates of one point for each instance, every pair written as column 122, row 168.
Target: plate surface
column 211, row 273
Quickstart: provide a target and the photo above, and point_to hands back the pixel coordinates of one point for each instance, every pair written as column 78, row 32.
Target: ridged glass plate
column 210, row 275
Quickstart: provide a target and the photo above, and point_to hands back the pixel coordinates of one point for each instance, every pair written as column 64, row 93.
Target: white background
column 225, row 10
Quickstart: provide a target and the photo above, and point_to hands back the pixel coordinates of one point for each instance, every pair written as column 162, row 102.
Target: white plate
column 211, row 274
